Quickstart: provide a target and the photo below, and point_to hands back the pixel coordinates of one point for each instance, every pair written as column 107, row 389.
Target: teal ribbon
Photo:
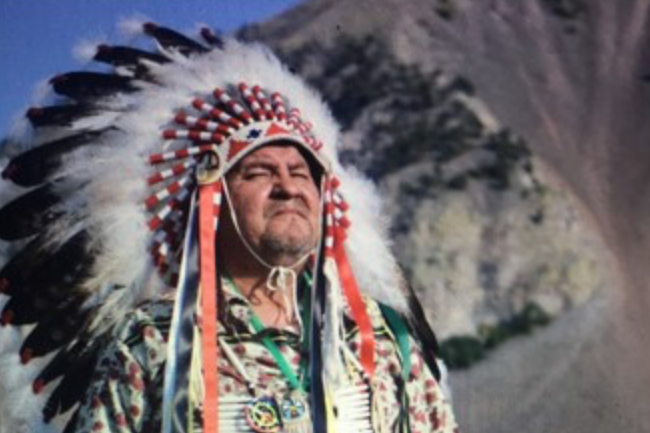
column 399, row 329
column 273, row 348
column 402, row 335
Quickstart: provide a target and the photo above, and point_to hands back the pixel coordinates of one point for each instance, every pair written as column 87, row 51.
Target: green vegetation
column 464, row 351
column 352, row 74
column 423, row 116
column 509, row 153
column 408, row 117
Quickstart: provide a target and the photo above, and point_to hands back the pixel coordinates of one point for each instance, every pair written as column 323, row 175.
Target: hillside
column 508, row 140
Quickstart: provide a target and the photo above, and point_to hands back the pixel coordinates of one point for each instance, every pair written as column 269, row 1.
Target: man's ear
column 315, row 168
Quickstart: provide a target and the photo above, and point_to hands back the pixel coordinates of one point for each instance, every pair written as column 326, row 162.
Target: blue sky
column 37, row 36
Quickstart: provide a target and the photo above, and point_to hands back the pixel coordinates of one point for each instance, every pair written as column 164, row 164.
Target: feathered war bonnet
column 125, row 171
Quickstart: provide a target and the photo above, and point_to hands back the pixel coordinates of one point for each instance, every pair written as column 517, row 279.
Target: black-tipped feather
column 55, row 332
column 19, row 310
column 126, row 57
column 61, row 362
column 35, row 166
column 35, row 304
column 29, row 213
column 22, row 309
column 20, row 266
column 71, row 426
column 419, row 326
column 86, row 86
column 211, row 38
column 73, row 386
column 172, row 40
column 44, row 264
column 58, row 115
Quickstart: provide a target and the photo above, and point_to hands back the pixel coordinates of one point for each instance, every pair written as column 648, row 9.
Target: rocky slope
column 461, row 191
column 442, row 103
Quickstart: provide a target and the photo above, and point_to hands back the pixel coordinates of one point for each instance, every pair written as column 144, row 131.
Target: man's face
column 277, row 203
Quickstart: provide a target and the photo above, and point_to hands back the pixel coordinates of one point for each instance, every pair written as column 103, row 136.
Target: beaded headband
column 225, row 130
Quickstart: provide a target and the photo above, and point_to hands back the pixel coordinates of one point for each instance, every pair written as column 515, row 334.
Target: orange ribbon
column 357, row 306
column 208, row 212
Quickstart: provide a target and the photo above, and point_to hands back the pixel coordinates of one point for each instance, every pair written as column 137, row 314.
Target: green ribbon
column 401, row 334
column 273, row 348
column 399, row 329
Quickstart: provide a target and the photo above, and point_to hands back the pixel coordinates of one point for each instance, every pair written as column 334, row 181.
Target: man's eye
column 301, row 174
column 256, row 173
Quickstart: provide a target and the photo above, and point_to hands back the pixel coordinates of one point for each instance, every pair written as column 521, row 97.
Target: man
column 277, row 203
column 266, row 314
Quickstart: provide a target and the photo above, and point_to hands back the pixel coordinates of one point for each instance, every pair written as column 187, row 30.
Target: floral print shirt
column 125, row 394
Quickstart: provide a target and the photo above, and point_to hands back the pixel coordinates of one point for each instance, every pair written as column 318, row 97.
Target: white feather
column 332, row 342
column 41, row 93
column 445, row 386
column 368, row 246
column 85, row 50
column 17, row 402
column 132, row 27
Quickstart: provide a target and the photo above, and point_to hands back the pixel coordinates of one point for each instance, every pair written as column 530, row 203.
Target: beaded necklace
column 264, row 413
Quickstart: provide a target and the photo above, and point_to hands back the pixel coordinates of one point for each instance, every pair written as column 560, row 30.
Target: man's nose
column 286, row 185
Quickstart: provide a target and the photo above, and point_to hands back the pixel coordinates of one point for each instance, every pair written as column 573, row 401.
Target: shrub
column 464, row 351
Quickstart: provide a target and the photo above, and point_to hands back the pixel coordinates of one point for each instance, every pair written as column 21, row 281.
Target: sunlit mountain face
column 509, row 140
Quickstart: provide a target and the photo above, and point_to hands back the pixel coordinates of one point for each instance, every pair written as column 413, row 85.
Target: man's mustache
column 297, row 206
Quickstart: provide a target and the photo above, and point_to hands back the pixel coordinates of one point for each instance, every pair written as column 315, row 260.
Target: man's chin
column 291, row 243
column 288, row 215
column 287, row 223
